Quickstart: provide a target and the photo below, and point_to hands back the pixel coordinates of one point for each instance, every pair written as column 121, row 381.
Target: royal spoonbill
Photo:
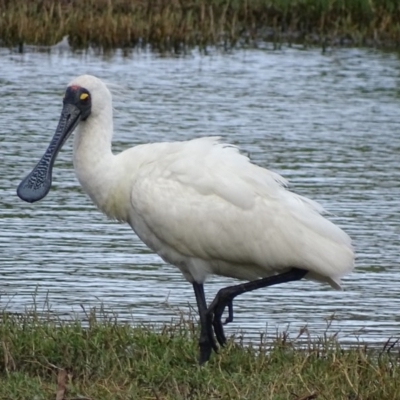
column 199, row 204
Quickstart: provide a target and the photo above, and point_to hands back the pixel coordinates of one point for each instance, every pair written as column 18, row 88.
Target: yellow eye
column 83, row 96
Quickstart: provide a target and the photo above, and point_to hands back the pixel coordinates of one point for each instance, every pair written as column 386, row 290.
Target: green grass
column 177, row 24
column 106, row 359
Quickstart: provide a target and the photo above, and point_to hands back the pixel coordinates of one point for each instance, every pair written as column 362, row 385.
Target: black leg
column 217, row 324
column 225, row 296
column 230, row 313
column 206, row 340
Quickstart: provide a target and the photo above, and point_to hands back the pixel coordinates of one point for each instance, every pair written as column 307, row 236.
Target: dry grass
column 177, row 24
column 45, row 358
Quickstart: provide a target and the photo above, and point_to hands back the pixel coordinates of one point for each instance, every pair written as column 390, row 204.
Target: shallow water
column 327, row 122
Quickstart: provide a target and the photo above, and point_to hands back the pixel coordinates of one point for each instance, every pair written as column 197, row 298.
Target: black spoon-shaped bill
column 37, row 184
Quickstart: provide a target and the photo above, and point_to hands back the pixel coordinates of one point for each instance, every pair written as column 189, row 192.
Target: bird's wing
column 206, row 200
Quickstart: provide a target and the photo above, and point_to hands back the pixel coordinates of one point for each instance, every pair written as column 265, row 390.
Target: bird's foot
column 222, row 300
column 207, row 341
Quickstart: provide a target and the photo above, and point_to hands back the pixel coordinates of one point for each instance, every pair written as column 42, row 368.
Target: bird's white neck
column 94, row 160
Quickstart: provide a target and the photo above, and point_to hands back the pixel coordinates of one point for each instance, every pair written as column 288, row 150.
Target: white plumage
column 199, row 204
column 203, row 206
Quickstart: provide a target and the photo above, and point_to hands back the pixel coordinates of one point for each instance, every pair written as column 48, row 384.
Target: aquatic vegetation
column 177, row 24
column 102, row 358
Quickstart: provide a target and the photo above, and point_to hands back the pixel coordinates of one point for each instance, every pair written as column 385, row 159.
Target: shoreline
column 42, row 356
column 174, row 26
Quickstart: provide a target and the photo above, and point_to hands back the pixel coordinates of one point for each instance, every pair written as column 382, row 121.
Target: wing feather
column 205, row 200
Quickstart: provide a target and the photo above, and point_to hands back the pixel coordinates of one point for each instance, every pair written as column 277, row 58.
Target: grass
column 45, row 358
column 177, row 24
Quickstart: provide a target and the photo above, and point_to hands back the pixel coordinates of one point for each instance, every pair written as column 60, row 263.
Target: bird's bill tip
column 37, row 184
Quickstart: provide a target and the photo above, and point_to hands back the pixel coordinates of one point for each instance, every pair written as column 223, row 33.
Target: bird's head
column 85, row 97
column 88, row 95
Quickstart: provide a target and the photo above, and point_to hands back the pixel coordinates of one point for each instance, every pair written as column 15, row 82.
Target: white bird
column 199, row 204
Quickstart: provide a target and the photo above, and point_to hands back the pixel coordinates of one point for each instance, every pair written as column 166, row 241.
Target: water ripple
column 328, row 123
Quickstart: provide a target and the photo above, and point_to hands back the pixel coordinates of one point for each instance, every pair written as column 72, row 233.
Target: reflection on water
column 328, row 123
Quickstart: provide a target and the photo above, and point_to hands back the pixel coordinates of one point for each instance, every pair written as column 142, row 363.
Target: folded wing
column 205, row 200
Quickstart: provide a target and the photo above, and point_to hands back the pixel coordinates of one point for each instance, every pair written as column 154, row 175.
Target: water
column 329, row 123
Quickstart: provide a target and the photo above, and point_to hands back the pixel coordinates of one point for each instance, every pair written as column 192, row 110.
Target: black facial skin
column 73, row 95
column 77, row 107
